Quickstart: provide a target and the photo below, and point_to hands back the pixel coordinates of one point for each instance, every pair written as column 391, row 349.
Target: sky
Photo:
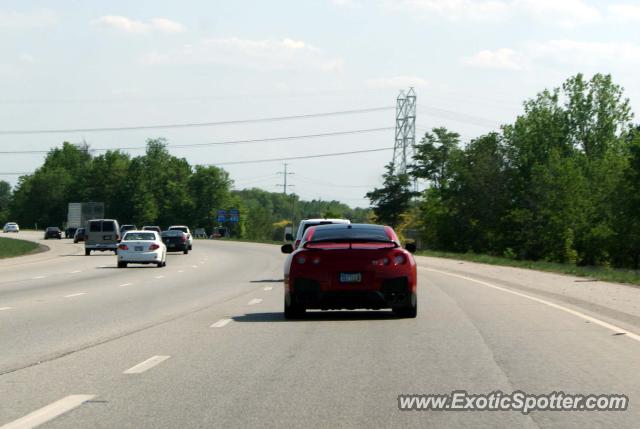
column 91, row 64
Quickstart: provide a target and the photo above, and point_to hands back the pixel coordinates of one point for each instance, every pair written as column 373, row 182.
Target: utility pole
column 285, row 173
column 405, row 131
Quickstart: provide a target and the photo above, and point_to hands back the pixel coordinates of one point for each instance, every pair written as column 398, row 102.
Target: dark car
column 152, row 228
column 125, row 228
column 52, row 232
column 350, row 266
column 176, row 241
column 79, row 235
column 70, row 232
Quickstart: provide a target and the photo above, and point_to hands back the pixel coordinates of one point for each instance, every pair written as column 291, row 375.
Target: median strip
column 146, row 365
column 48, row 412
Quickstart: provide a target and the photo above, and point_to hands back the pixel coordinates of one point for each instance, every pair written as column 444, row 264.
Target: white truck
column 78, row 214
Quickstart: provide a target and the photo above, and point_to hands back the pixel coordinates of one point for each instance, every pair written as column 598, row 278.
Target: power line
column 221, row 143
column 197, row 124
column 322, row 155
column 256, row 161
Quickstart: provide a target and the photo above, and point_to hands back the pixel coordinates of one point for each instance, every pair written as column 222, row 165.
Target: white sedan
column 11, row 227
column 142, row 247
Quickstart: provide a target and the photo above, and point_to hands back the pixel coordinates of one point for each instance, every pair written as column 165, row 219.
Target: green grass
column 598, row 273
column 10, row 247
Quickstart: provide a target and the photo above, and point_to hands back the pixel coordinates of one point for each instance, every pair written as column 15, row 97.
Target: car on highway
column 10, row 227
column 70, row 232
column 79, row 235
column 127, row 227
column 307, row 223
column 184, row 229
column 176, row 241
column 142, row 247
column 152, row 228
column 52, row 232
column 101, row 235
column 350, row 266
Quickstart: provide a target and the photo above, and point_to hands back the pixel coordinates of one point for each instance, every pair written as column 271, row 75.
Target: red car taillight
column 381, row 261
column 123, row 247
column 183, row 239
column 154, row 247
column 399, row 259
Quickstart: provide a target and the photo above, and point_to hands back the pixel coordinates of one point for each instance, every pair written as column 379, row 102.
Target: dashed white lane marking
column 181, row 271
column 75, row 294
column 48, row 412
column 268, row 288
column 158, row 277
column 124, row 285
column 194, row 266
column 147, row 364
column 220, row 323
column 38, row 277
column 75, row 272
column 255, row 301
column 5, row 308
column 616, row 329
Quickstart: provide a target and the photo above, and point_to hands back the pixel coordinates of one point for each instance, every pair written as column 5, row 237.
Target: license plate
column 138, row 248
column 350, row 277
column 106, row 237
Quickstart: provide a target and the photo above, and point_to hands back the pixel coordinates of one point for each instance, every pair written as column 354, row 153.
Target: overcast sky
column 87, row 64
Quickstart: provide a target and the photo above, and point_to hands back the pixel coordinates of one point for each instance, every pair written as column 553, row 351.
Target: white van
column 101, row 234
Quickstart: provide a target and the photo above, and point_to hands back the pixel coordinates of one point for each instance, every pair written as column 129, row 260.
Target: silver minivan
column 101, row 234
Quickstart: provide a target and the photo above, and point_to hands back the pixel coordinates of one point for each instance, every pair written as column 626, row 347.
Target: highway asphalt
column 203, row 343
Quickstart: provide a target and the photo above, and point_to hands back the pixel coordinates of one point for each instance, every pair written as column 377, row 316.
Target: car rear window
column 139, row 236
column 374, row 233
column 179, row 228
column 94, row 226
column 108, row 226
column 172, row 233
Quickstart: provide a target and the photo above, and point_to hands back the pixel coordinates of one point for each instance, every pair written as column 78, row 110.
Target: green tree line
column 562, row 183
column 155, row 188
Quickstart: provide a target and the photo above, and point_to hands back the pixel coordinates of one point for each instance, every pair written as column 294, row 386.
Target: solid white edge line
column 220, row 323
column 48, row 412
column 147, row 364
column 614, row 328
column 75, row 294
column 254, row 301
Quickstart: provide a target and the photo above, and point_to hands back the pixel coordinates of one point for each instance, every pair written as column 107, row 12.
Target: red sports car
column 350, row 266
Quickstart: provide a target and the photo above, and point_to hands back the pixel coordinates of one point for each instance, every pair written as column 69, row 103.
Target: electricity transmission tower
column 285, row 174
column 405, row 131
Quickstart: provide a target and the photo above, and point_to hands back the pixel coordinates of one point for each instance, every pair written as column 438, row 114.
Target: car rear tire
column 122, row 265
column 186, row 251
column 293, row 311
column 87, row 252
column 410, row 311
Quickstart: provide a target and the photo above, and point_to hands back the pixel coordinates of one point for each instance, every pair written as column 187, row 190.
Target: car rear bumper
column 390, row 293
column 139, row 257
column 176, row 247
column 101, row 247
